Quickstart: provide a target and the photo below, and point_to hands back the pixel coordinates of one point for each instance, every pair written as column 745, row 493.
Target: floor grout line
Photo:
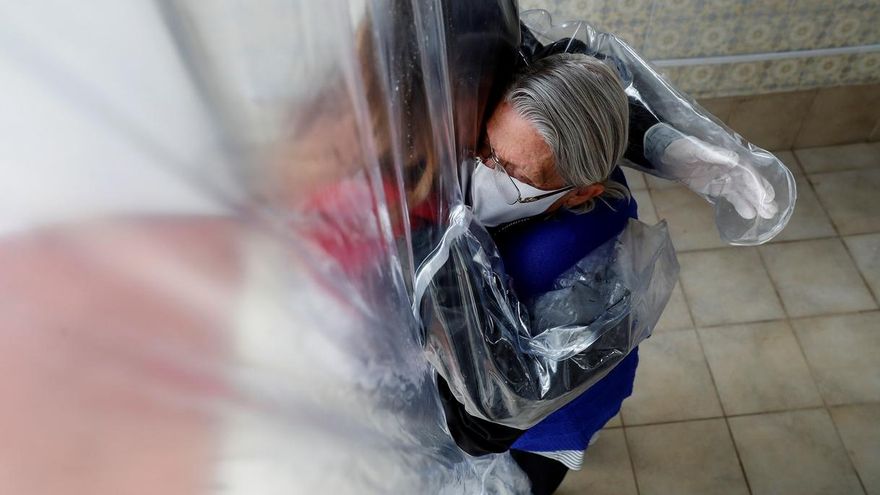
column 739, row 460
column 742, row 467
column 824, row 406
column 766, row 320
column 632, row 464
column 861, row 274
column 852, row 462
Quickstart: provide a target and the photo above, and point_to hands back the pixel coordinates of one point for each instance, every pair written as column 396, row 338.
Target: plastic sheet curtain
column 207, row 249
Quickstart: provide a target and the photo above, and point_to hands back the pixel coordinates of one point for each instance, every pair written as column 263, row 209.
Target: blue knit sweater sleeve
column 537, row 252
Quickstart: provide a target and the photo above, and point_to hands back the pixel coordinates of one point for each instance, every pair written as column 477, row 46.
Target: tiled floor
column 763, row 375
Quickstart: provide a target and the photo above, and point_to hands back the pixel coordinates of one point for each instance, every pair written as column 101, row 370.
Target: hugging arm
column 672, row 137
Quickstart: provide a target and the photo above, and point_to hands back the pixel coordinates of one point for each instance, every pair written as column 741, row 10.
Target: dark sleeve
column 640, row 120
column 474, row 435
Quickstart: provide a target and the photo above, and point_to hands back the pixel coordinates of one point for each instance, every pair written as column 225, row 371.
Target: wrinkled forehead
column 516, row 141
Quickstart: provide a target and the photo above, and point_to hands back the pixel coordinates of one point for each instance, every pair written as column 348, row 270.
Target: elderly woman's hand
column 716, row 172
column 711, row 171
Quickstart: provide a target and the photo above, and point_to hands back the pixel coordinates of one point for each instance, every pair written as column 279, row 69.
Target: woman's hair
column 578, row 105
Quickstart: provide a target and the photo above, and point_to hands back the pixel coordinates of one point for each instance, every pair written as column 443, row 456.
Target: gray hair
column 578, row 105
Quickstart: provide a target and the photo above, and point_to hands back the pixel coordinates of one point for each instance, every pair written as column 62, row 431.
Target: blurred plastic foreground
column 205, row 251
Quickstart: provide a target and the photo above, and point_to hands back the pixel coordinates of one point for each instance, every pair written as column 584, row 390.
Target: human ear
column 581, row 195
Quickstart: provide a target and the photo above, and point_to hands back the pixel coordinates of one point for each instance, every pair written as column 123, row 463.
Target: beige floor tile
column 842, row 352
column 693, row 457
column 614, row 422
column 726, row 286
column 790, row 161
column 758, row 367
column 672, row 383
column 795, row 452
column 865, row 250
column 859, row 427
column 607, row 469
column 634, row 179
column 809, row 220
column 676, row 315
column 691, row 219
column 658, row 183
column 816, row 277
column 646, row 207
column 839, row 158
column 850, row 198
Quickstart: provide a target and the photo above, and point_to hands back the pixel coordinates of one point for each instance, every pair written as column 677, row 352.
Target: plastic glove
column 716, row 172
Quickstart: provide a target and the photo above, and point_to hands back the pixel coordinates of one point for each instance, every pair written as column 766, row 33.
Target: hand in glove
column 710, row 170
column 714, row 171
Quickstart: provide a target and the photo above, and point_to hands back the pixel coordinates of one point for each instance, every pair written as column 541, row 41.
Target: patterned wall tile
column 862, row 68
column 714, row 36
column 758, row 33
column 724, row 8
column 846, row 28
column 804, row 31
column 771, row 7
column 669, row 41
column 871, row 33
column 636, row 11
column 578, row 9
column 856, row 3
column 694, row 9
column 632, row 33
column 665, row 10
column 823, row 71
column 813, row 5
column 699, row 80
column 783, row 75
column 669, row 29
column 740, row 79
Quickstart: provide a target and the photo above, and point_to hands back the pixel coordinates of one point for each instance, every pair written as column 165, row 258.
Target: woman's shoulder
column 537, row 251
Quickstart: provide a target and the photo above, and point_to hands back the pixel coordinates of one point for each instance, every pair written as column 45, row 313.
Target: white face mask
column 493, row 191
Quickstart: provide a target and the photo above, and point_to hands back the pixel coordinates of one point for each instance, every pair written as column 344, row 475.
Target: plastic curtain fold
column 206, row 251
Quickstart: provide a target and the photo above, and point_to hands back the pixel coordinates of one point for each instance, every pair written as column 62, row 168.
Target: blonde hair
column 578, row 105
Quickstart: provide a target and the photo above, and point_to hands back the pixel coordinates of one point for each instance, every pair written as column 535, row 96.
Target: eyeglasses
column 506, row 185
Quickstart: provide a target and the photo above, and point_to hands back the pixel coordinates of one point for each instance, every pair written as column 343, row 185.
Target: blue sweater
column 535, row 254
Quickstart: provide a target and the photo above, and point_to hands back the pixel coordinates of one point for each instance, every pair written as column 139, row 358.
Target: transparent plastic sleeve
column 752, row 192
column 514, row 362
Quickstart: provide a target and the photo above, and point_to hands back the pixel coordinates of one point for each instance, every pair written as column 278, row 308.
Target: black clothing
column 545, row 474
column 480, row 437
column 474, row 435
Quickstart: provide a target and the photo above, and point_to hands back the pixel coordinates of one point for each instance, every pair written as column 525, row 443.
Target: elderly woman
column 550, row 192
